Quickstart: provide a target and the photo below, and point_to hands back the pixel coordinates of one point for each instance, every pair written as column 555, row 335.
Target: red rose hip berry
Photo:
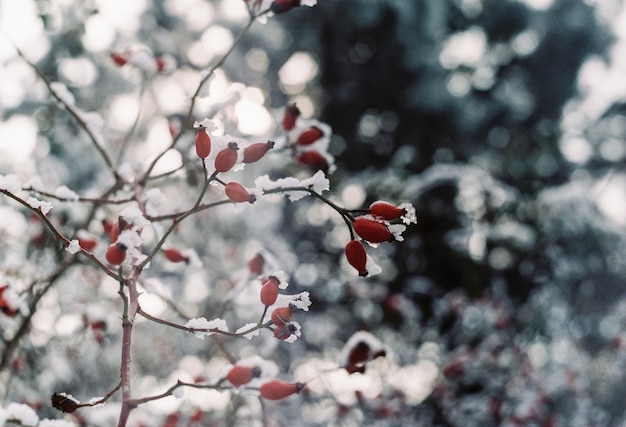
column 282, row 315
column 240, row 375
column 269, row 291
column 386, row 210
column 203, row 143
column 309, row 136
column 356, row 256
column 291, row 115
column 238, row 193
column 313, row 159
column 175, row 255
column 276, row 389
column 372, row 231
column 116, row 253
column 226, row 158
column 256, row 151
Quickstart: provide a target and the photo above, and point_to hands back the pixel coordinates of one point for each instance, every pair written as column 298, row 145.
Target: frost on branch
column 41, row 205
column 201, row 327
column 318, row 183
column 63, row 192
column 73, row 247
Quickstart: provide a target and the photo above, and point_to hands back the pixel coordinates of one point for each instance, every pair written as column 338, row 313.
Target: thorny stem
column 131, row 307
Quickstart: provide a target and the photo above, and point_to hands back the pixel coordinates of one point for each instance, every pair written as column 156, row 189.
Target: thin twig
column 164, row 322
column 57, row 234
column 70, row 108
column 210, row 72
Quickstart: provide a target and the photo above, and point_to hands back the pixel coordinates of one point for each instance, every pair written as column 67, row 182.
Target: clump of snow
column 205, row 326
column 65, row 193
column 371, row 267
column 39, row 204
column 409, row 216
column 134, row 216
column 397, row 230
column 208, row 124
column 73, row 247
column 301, row 301
column 96, row 402
column 317, row 183
column 282, row 279
column 297, row 332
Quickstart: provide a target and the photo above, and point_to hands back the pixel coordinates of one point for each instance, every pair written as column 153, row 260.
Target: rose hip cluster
column 270, row 291
column 376, row 225
column 226, row 159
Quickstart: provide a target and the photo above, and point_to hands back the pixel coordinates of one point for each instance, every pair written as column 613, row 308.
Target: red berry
column 6, row 307
column 120, row 59
column 276, row 389
column 372, row 231
column 240, row 375
column 282, row 315
column 114, row 232
column 357, row 257
column 107, row 226
column 116, row 253
column 282, row 6
column 269, row 291
column 359, row 354
column 386, row 210
column 87, row 243
column 203, row 143
column 314, row 159
column 226, row 158
column 175, row 255
column 291, row 114
column 117, row 227
column 309, row 136
column 238, row 193
column 284, row 331
column 256, row 263
column 255, row 152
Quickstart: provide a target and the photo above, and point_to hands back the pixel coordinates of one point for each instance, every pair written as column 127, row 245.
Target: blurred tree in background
column 501, row 121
